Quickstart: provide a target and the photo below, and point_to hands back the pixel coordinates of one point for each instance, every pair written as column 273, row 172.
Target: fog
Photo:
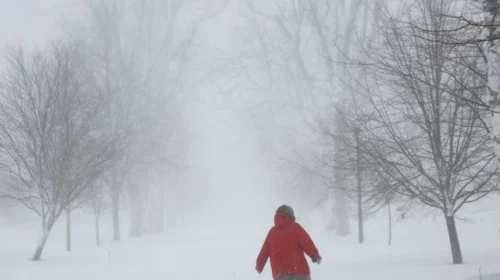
column 224, row 169
column 157, row 138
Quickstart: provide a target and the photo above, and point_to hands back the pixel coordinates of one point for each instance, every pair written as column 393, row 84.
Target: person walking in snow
column 285, row 245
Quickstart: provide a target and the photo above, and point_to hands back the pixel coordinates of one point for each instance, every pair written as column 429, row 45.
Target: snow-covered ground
column 420, row 250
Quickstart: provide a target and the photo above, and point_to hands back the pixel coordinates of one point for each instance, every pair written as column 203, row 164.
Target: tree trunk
column 456, row 252
column 390, row 223
column 155, row 210
column 341, row 213
column 68, row 230
column 341, row 209
column 116, row 213
column 137, row 210
column 44, row 236
column 161, row 218
column 493, row 61
column 361, row 234
column 40, row 246
column 97, row 235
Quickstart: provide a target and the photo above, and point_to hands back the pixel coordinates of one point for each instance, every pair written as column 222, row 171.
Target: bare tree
column 52, row 146
column 143, row 50
column 364, row 182
column 428, row 141
column 164, row 58
column 98, row 199
column 296, row 53
column 103, row 41
column 492, row 28
column 480, row 20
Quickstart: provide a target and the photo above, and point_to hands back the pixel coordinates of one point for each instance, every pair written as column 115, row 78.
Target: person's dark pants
column 295, row 277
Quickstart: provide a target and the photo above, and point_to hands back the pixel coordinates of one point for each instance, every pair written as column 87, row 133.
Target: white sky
column 30, row 22
column 231, row 167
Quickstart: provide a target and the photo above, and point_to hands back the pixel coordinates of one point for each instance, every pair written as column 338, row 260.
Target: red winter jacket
column 286, row 244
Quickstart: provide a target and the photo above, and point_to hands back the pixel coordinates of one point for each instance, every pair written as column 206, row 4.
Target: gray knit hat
column 286, row 210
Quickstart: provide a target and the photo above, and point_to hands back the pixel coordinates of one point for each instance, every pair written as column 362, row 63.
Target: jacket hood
column 287, row 210
column 282, row 220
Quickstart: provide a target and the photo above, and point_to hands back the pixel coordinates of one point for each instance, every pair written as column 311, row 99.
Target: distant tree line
column 97, row 115
column 400, row 102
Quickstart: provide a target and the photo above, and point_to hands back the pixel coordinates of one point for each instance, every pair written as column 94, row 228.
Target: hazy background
column 225, row 170
column 251, row 125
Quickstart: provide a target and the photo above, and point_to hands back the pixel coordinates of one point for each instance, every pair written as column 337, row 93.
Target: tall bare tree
column 97, row 198
column 365, row 185
column 480, row 19
column 53, row 146
column 427, row 139
column 491, row 29
column 143, row 49
column 296, row 53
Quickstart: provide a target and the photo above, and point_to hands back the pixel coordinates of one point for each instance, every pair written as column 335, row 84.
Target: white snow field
column 420, row 250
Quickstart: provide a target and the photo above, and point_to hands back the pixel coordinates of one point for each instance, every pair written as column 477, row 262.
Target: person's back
column 285, row 245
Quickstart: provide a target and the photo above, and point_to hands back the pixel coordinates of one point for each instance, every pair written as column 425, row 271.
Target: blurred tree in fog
column 52, row 144
column 84, row 121
column 141, row 50
column 294, row 65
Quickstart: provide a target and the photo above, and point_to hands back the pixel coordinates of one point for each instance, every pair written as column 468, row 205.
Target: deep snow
column 420, row 251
